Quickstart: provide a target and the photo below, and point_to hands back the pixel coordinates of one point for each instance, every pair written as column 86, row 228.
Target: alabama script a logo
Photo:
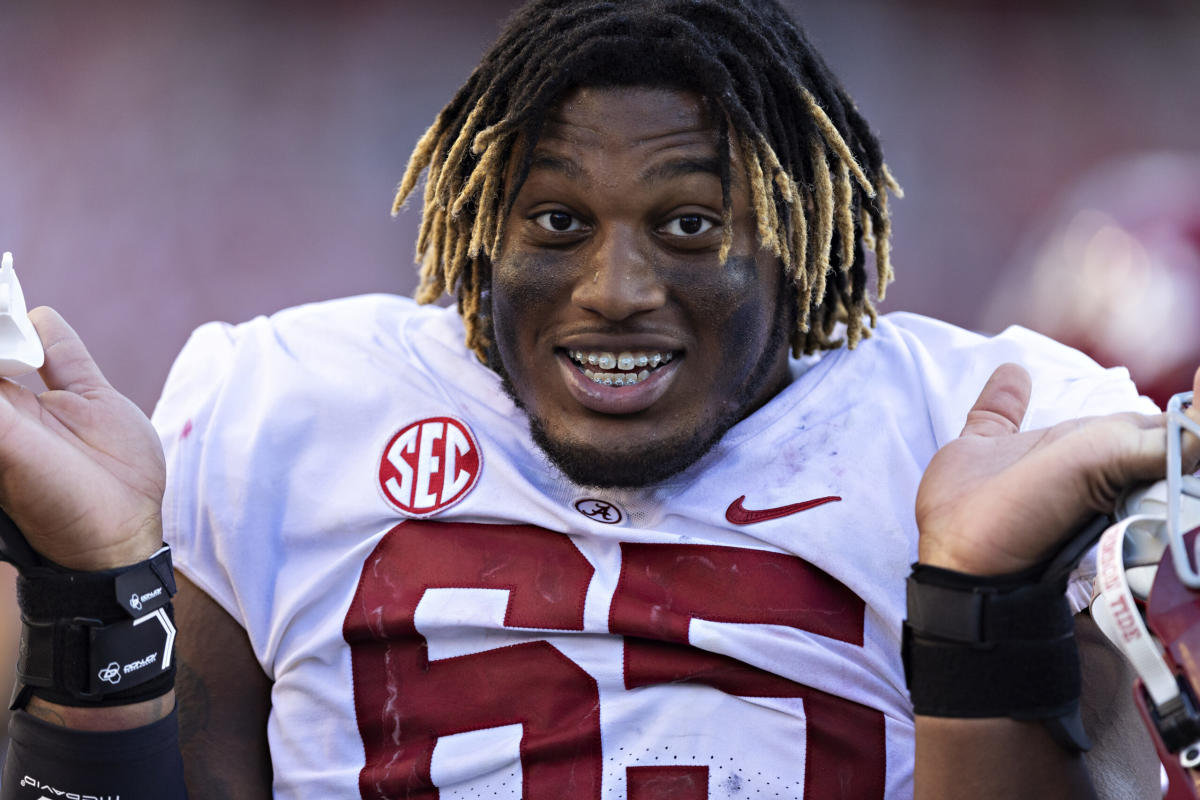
column 429, row 465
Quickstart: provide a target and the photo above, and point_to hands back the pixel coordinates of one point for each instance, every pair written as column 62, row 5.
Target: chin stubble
column 605, row 466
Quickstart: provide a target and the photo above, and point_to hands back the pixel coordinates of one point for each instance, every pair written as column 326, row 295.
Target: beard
column 601, row 465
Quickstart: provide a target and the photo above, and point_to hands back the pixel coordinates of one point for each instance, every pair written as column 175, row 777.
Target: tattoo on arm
column 194, row 718
column 192, row 694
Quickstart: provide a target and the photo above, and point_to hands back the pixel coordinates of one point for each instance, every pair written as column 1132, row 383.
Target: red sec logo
column 429, row 465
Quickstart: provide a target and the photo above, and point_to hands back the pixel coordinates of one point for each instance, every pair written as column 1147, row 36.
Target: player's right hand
column 999, row 499
column 81, row 469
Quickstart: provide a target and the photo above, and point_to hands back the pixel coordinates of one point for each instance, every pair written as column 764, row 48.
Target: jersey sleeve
column 954, row 364
column 184, row 419
column 271, row 430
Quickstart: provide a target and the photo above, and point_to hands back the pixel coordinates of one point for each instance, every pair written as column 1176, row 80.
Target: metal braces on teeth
column 623, row 362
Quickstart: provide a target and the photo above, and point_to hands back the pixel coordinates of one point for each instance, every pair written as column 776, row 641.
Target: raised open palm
column 997, row 499
column 81, row 468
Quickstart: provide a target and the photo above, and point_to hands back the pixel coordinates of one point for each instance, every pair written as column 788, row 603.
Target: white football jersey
column 444, row 615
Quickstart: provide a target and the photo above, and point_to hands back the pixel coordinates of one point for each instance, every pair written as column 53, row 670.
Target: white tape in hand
column 20, row 347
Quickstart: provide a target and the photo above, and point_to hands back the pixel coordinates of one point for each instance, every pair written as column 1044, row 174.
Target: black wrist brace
column 998, row 646
column 92, row 638
column 46, row 760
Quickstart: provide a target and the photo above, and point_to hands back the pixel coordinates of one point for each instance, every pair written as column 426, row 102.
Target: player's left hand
column 998, row 500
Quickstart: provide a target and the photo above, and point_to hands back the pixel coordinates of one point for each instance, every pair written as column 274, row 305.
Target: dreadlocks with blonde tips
column 810, row 158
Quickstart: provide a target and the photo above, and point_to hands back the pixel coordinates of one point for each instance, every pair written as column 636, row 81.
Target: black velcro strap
column 1023, row 679
column 92, row 638
column 82, row 661
column 982, row 612
column 980, row 646
column 52, row 592
column 998, row 646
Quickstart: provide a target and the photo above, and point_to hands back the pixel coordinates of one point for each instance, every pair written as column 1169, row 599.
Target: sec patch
column 429, row 466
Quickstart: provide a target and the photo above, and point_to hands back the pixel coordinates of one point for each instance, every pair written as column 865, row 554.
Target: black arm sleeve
column 46, row 760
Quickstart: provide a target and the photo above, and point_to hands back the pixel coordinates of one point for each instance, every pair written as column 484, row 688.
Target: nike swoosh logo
column 740, row 515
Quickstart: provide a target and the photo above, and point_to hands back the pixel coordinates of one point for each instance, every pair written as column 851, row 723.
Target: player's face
column 616, row 326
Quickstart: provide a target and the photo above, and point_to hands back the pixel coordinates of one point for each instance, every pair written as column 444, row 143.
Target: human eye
column 688, row 226
column 558, row 222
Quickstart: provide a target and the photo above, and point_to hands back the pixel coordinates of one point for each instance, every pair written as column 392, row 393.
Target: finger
column 1191, row 444
column 68, row 364
column 1001, row 405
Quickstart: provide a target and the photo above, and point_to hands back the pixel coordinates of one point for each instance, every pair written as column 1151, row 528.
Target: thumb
column 68, row 364
column 1001, row 404
column 1191, row 442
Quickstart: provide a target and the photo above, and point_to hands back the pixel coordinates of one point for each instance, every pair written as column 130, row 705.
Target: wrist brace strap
column 998, row 646
column 46, row 760
column 92, row 638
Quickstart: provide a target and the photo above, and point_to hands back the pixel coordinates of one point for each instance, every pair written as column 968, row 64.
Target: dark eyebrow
column 674, row 168
column 680, row 167
column 555, row 164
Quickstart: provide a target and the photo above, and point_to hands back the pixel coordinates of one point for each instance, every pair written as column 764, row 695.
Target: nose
column 618, row 279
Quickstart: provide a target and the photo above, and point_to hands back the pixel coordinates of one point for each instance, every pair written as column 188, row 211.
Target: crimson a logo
column 429, row 466
column 599, row 510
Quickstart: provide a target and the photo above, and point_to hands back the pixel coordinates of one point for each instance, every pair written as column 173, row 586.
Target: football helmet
column 1145, row 601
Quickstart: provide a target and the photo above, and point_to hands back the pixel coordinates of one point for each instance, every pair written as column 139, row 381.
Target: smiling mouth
column 625, row 368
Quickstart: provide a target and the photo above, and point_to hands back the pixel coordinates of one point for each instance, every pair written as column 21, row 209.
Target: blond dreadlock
column 818, row 183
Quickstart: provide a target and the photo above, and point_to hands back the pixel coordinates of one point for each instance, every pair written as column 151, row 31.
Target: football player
column 634, row 519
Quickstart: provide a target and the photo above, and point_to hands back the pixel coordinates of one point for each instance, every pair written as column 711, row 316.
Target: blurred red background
column 163, row 164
